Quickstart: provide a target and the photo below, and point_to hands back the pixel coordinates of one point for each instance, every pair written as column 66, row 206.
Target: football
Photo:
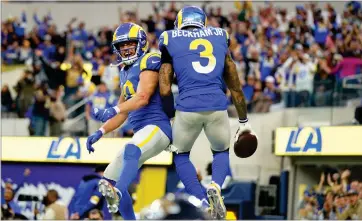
column 246, row 145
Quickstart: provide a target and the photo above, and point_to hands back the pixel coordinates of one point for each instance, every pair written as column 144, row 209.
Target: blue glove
column 104, row 115
column 92, row 139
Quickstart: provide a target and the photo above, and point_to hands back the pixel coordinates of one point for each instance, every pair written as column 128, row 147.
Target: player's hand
column 243, row 127
column 92, row 139
column 104, row 115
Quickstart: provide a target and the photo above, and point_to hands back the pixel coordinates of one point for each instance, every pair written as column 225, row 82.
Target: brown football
column 246, row 145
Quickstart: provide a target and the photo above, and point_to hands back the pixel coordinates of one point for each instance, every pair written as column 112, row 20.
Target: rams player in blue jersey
column 141, row 103
column 201, row 61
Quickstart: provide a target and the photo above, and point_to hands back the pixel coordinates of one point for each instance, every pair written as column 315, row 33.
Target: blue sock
column 220, row 166
column 126, row 206
column 188, row 176
column 132, row 154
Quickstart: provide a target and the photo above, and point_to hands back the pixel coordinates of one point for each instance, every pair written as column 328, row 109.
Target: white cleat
column 111, row 194
column 217, row 206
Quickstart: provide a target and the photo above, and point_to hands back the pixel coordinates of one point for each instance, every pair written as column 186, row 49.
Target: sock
column 220, row 166
column 129, row 172
column 188, row 176
column 126, row 206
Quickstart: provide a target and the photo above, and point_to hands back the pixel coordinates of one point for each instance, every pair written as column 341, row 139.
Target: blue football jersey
column 198, row 58
column 153, row 113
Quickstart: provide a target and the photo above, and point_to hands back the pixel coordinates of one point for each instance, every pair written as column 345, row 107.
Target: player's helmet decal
column 130, row 32
column 190, row 16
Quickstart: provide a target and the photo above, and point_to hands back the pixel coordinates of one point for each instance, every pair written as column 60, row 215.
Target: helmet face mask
column 127, row 51
column 129, row 43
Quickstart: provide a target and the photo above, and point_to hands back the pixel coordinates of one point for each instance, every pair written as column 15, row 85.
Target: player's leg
column 146, row 143
column 220, row 140
column 125, row 167
column 185, row 130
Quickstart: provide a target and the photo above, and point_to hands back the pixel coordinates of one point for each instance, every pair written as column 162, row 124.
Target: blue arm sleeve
column 36, row 19
column 49, row 16
column 93, row 201
column 23, row 17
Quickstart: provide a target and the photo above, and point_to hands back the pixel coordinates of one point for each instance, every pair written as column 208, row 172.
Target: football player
column 200, row 58
column 141, row 103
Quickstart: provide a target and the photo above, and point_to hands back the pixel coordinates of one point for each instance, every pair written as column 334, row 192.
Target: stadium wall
column 263, row 163
column 108, row 12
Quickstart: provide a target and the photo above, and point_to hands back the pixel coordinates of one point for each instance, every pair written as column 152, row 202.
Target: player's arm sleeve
column 151, row 62
column 162, row 45
column 93, row 202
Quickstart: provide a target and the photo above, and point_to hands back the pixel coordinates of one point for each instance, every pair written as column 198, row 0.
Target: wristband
column 116, row 108
column 243, row 121
column 102, row 130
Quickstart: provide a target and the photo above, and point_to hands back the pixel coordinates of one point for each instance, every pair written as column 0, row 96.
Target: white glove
column 171, row 148
column 244, row 126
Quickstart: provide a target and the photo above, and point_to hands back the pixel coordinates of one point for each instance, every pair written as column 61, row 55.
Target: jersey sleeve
column 163, row 41
column 162, row 46
column 151, row 62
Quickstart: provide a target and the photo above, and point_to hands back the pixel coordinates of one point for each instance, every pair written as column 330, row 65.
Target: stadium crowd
column 340, row 199
column 285, row 59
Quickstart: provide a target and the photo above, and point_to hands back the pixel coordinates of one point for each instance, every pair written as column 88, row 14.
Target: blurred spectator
column 57, row 113
column 25, row 92
column 248, row 90
column 54, row 208
column 11, row 205
column 73, row 75
column 95, row 214
column 110, row 74
column 324, row 84
column 40, row 112
column 354, row 210
column 337, row 201
column 87, row 198
column 308, row 50
column 261, row 102
column 102, row 99
column 7, row 102
column 303, row 71
column 9, row 184
column 270, row 91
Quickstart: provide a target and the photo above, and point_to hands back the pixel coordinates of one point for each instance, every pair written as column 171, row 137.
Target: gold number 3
column 207, row 53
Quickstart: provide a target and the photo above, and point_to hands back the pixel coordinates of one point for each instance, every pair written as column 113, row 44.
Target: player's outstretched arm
column 233, row 83
column 165, row 78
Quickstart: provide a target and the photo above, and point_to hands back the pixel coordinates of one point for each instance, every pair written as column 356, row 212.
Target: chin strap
column 116, row 65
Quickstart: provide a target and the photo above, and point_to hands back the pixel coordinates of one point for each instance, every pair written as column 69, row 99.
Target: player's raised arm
column 148, row 82
column 150, row 64
column 166, row 70
column 233, row 83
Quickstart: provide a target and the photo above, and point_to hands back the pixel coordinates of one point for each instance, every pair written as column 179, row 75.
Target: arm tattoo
column 233, row 83
column 165, row 78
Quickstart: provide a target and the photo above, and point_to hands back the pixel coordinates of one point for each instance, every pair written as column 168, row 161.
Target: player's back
column 198, row 57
